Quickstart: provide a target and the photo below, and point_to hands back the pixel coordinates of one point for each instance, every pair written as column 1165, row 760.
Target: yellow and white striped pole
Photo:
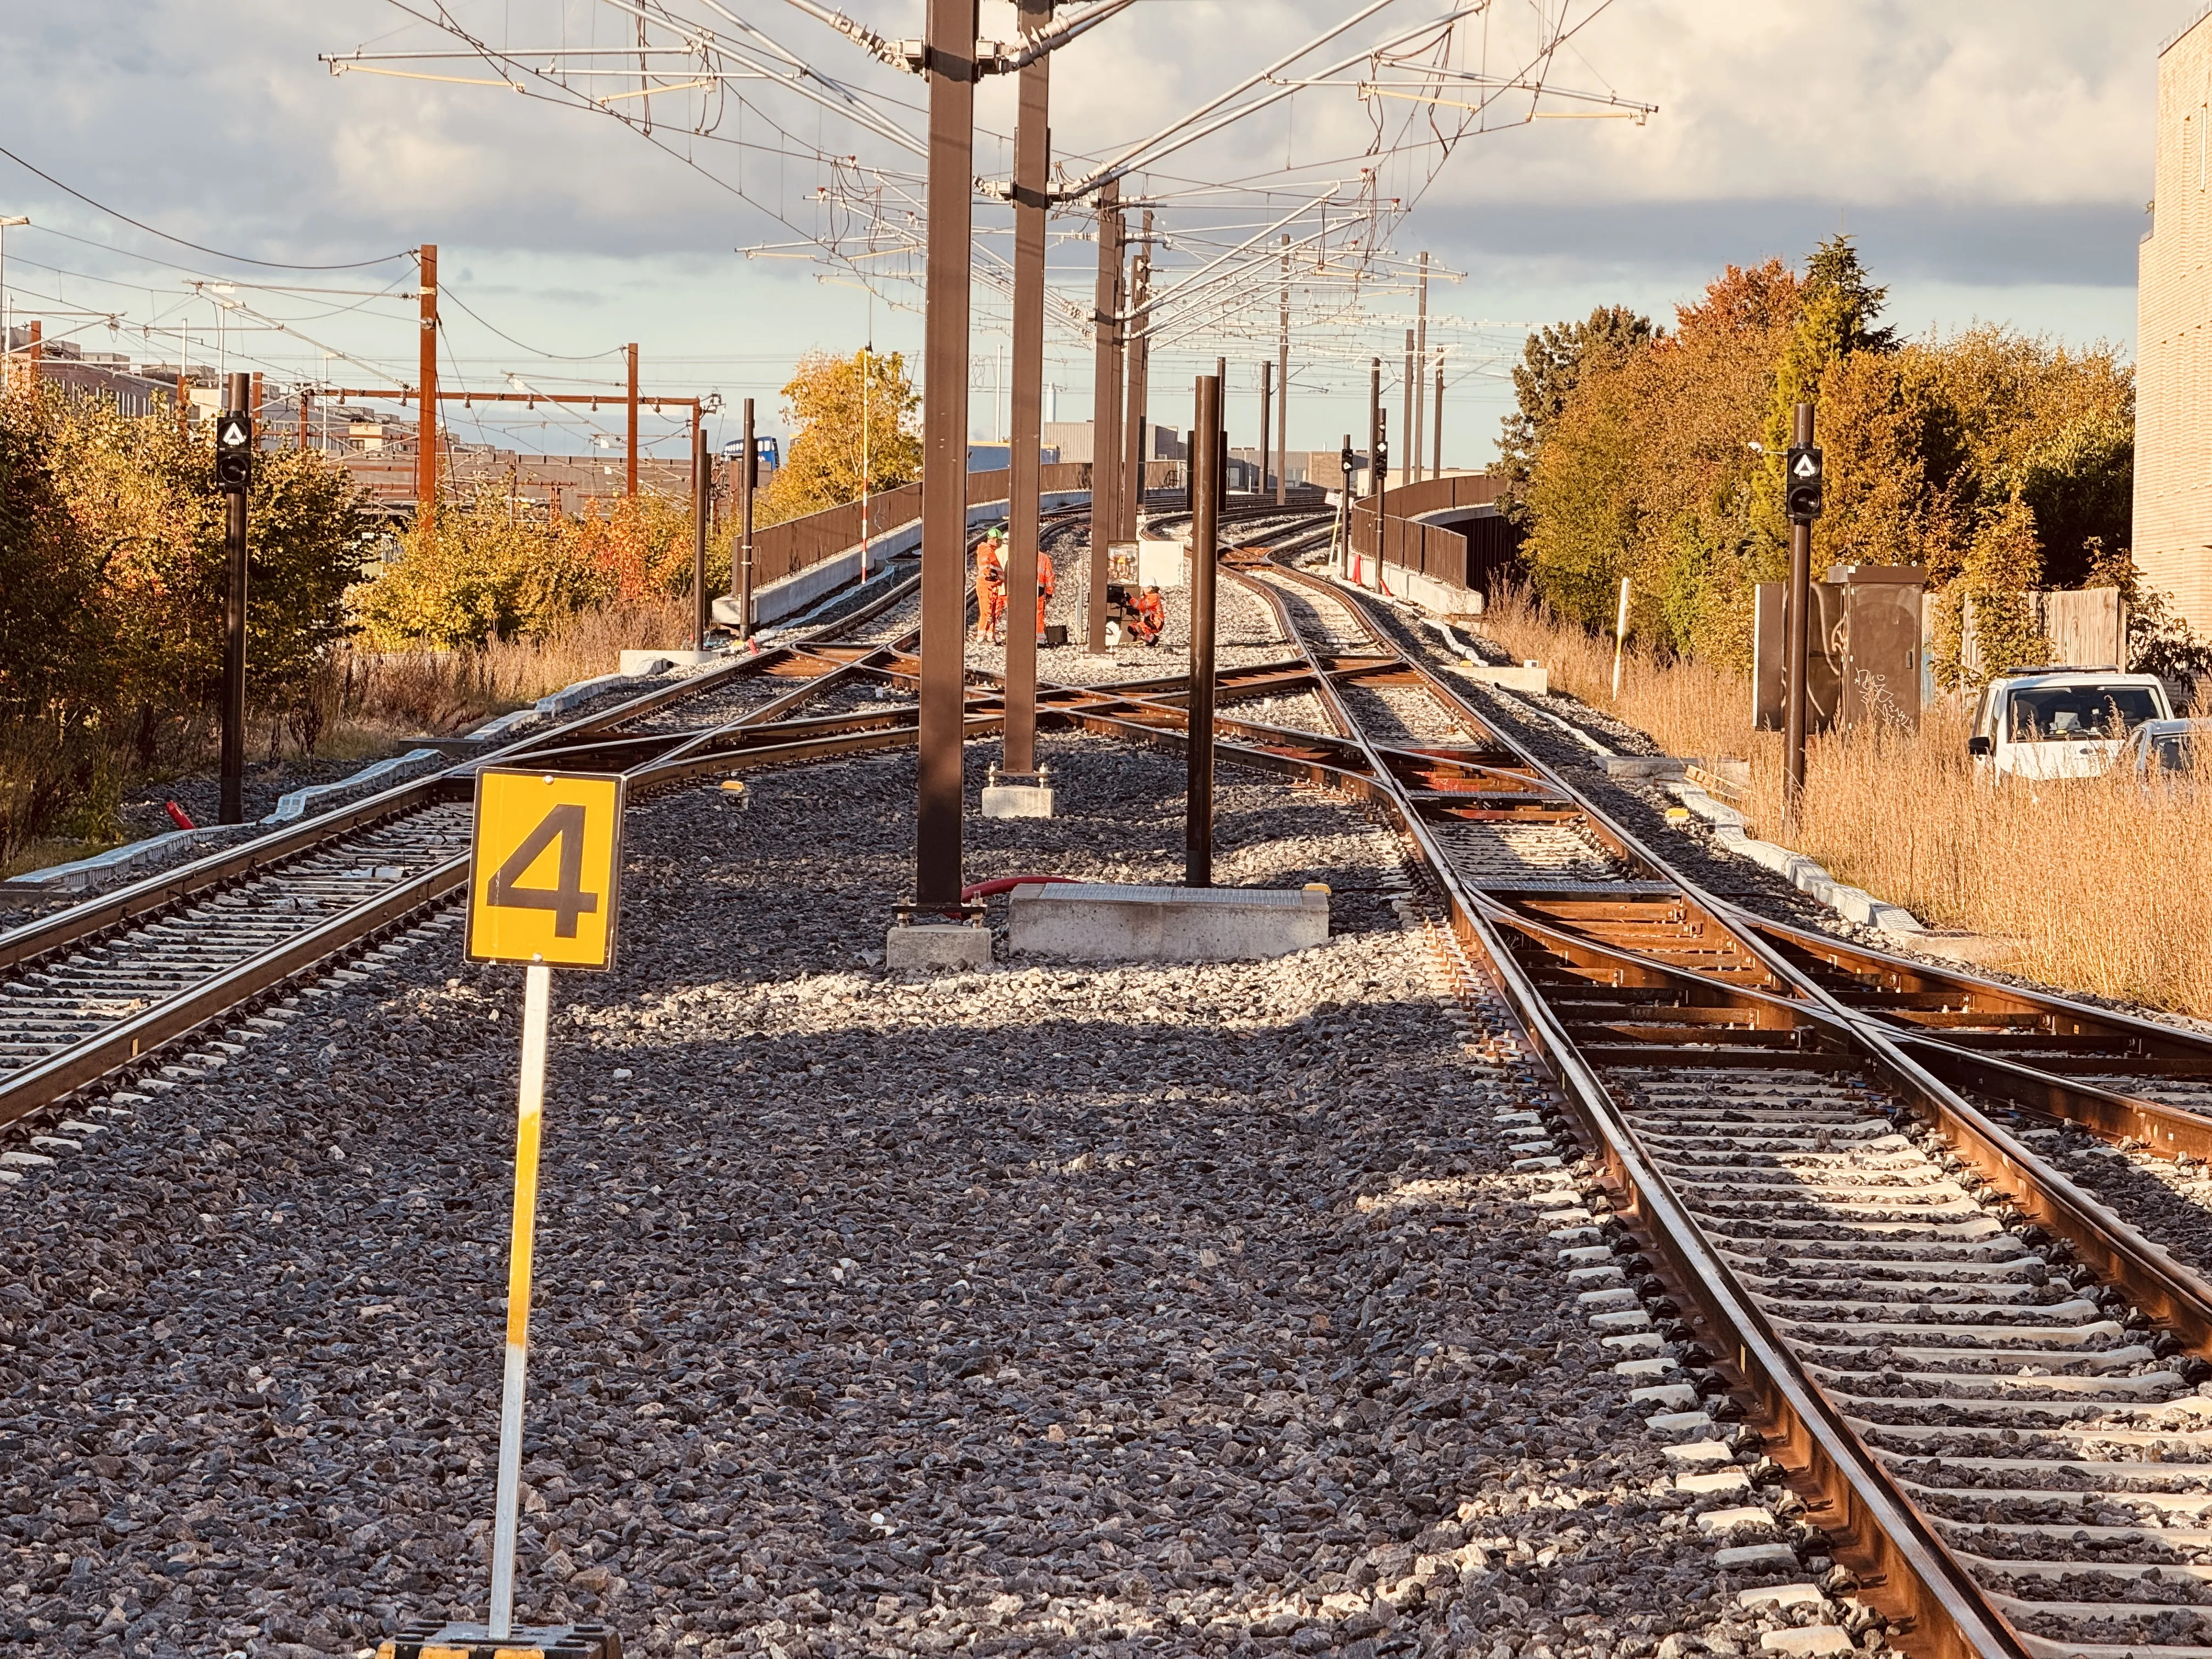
column 538, row 997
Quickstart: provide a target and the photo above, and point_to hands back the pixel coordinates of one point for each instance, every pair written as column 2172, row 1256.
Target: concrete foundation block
column 935, row 945
column 635, row 663
column 1807, row 1642
column 1097, row 922
column 1017, row 800
column 1654, row 769
column 1532, row 682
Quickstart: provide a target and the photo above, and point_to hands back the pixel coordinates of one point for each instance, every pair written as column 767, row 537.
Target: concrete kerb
column 1731, row 832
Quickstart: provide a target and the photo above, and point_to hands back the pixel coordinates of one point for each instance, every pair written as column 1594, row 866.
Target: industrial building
column 2173, row 330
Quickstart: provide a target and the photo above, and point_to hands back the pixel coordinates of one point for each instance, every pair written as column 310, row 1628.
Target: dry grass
column 60, row 798
column 2105, row 887
column 374, row 699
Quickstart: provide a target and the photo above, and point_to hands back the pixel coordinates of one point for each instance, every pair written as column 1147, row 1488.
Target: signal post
column 234, row 475
column 1802, row 501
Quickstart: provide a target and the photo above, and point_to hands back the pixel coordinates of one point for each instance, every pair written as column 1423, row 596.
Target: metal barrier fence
column 782, row 550
column 1448, row 556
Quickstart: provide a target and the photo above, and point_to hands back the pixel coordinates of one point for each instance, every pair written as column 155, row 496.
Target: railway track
column 1988, row 1380
column 1983, row 1379
column 121, row 980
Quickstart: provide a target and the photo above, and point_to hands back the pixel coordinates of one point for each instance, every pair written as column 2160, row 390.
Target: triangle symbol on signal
column 1805, row 469
column 233, row 433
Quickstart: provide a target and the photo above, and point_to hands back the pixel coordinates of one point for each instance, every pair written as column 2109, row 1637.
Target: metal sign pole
column 1205, row 492
column 537, row 1000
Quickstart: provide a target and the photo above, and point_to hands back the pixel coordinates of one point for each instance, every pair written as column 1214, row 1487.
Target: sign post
column 233, row 475
column 543, row 891
column 1801, row 502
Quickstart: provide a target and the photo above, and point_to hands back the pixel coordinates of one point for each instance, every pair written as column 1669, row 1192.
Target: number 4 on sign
column 544, row 877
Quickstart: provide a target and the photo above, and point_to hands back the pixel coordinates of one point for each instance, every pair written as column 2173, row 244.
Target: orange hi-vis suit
column 1044, row 586
column 1151, row 617
column 990, row 592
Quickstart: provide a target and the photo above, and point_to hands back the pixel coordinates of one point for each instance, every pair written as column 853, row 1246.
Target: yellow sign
column 544, row 872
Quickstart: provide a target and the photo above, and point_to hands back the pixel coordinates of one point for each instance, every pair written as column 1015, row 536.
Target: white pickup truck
column 2061, row 722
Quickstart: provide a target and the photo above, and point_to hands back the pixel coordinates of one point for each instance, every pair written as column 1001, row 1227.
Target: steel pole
column 1374, row 416
column 1024, row 513
column 1414, row 378
column 1436, row 425
column 950, row 198
column 232, row 809
column 1205, row 493
column 1797, row 631
column 1409, row 431
column 1266, row 401
column 1283, row 383
column 1138, row 424
column 629, row 484
column 741, row 567
column 426, row 374
column 1105, row 411
column 699, row 491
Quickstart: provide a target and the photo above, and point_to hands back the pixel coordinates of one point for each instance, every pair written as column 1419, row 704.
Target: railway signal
column 233, row 475
column 544, row 872
column 1801, row 501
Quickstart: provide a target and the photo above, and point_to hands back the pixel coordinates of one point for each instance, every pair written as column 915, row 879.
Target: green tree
column 850, row 417
column 2003, row 564
column 1837, row 310
column 1554, row 361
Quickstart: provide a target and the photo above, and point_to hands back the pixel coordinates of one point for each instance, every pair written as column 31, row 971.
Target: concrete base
column 1091, row 922
column 1018, row 800
column 1532, row 681
column 657, row 662
column 1650, row 768
column 931, row 945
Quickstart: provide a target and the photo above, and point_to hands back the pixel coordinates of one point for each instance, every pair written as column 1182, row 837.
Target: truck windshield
column 2053, row 714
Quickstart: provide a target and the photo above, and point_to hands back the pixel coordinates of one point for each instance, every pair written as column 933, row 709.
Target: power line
column 235, row 258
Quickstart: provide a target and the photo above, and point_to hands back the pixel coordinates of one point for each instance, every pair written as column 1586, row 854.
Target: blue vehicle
column 769, row 456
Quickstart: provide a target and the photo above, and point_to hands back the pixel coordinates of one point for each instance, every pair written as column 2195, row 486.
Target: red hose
column 1007, row 884
column 179, row 817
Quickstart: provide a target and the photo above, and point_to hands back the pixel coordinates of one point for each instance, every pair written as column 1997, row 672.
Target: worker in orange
column 1044, row 588
column 1148, row 616
column 990, row 585
column 990, row 598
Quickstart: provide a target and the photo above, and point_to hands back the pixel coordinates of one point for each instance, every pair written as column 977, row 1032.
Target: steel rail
column 1896, row 1541
column 79, row 923
column 218, row 996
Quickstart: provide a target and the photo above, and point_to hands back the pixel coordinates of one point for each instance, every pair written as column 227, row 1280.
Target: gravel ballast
column 1041, row 1309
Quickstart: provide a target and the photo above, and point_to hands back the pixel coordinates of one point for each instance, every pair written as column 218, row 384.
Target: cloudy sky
column 1992, row 157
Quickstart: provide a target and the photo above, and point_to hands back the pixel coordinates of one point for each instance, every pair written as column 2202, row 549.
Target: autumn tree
column 850, row 418
column 1554, row 361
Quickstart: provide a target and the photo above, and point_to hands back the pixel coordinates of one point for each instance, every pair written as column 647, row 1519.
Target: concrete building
column 1072, row 440
column 2173, row 344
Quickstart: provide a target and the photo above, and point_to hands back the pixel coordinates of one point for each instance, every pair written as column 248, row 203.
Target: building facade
column 2174, row 340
